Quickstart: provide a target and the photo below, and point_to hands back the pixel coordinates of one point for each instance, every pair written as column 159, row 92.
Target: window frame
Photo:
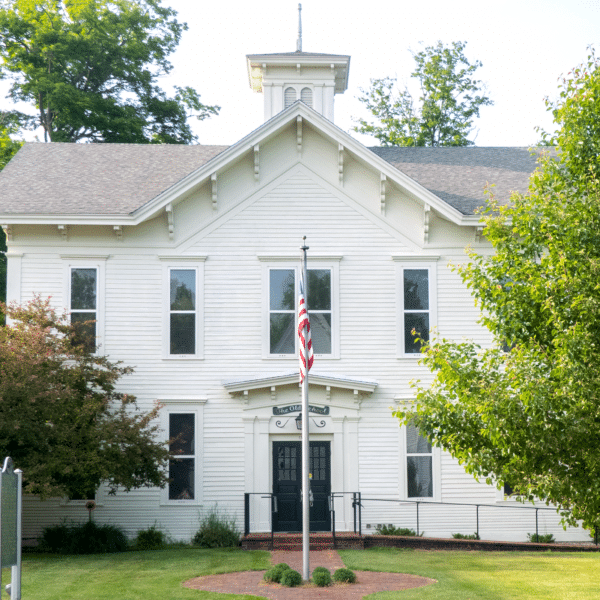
column 406, row 264
column 436, row 465
column 272, row 263
column 185, row 406
column 98, row 264
column 196, row 264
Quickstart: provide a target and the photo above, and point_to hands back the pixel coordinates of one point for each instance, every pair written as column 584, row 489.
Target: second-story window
column 83, row 305
column 183, row 313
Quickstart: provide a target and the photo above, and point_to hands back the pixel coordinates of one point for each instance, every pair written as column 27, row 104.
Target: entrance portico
column 271, row 406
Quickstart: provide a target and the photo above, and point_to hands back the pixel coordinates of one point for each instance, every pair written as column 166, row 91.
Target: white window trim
column 99, row 264
column 315, row 263
column 412, row 264
column 195, row 263
column 436, row 463
column 186, row 405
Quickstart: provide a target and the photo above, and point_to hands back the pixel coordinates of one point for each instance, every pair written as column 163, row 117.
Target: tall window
column 83, row 305
column 183, row 311
column 419, row 465
column 182, row 465
column 283, row 293
column 416, row 309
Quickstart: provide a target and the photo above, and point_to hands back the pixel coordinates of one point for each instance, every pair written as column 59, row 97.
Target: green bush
column 88, row 538
column 321, row 577
column 291, row 578
column 217, row 531
column 466, row 536
column 344, row 576
column 275, row 573
column 542, row 538
column 391, row 530
column 150, row 539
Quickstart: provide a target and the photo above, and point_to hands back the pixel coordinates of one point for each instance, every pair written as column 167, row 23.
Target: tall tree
column 62, row 419
column 90, row 68
column 444, row 114
column 527, row 410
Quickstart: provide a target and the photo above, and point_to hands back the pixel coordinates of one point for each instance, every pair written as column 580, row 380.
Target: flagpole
column 305, row 442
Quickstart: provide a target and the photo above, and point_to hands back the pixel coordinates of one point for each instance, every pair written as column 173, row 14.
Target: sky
column 524, row 45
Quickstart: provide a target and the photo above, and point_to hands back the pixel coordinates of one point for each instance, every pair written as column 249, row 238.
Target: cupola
column 283, row 78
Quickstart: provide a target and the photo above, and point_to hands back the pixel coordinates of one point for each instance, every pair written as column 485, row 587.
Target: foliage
column 541, row 538
column 527, row 410
column 61, row 418
column 10, row 124
column 466, row 536
column 217, row 530
column 393, row 530
column 91, row 69
column 291, row 578
column 450, row 101
column 344, row 575
column 88, row 538
column 321, row 577
column 275, row 573
column 150, row 539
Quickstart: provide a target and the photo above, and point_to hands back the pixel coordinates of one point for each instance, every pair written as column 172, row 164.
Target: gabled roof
column 102, row 179
column 128, row 183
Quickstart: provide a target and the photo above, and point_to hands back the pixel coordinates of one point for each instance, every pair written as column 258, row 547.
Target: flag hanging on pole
column 305, row 344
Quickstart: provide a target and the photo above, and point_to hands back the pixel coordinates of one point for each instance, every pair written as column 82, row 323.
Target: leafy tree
column 61, row 418
column 527, row 411
column 450, row 101
column 90, row 68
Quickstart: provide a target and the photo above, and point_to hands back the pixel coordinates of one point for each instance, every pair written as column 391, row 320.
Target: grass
column 151, row 575
column 158, row 574
column 484, row 575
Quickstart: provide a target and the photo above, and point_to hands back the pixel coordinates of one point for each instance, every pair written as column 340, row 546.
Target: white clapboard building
column 194, row 256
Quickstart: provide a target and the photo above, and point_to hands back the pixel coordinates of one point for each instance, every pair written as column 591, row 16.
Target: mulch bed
column 250, row 582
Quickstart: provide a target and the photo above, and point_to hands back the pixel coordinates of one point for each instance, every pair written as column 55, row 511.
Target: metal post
column 359, row 514
column 332, row 515
column 15, row 584
column 417, row 519
column 305, row 441
column 246, row 514
column 537, row 536
column 477, row 508
column 354, row 509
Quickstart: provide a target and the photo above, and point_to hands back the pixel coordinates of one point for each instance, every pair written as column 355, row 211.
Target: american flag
column 305, row 345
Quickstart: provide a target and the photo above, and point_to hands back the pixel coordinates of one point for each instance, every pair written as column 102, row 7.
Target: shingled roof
column 117, row 179
column 98, row 179
column 459, row 175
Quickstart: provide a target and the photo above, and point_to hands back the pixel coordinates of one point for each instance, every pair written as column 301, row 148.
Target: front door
column 287, row 485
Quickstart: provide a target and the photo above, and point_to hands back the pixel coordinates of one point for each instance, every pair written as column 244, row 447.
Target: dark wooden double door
column 287, row 485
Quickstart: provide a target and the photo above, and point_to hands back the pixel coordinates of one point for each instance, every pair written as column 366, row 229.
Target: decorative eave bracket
column 257, row 162
column 341, row 164
column 64, row 232
column 118, row 229
column 479, row 233
column 299, row 133
column 382, row 181
column 171, row 221
column 213, row 182
column 426, row 219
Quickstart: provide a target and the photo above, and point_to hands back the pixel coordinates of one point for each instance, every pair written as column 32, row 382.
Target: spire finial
column 299, row 42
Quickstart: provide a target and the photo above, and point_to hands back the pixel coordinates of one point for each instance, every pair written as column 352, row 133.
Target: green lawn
column 485, row 575
column 461, row 575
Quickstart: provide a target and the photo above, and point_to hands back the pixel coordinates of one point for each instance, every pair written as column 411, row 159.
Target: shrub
column 344, row 576
column 275, row 573
column 88, row 538
column 466, row 536
column 391, row 530
column 150, row 539
column 321, row 577
column 217, row 531
column 291, row 578
column 541, row 538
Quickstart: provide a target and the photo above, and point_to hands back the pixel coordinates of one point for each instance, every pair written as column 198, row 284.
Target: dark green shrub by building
column 150, row 539
column 88, row 538
column 541, row 538
column 275, row 573
column 321, row 577
column 291, row 578
column 466, row 536
column 344, row 576
column 217, row 531
column 392, row 530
